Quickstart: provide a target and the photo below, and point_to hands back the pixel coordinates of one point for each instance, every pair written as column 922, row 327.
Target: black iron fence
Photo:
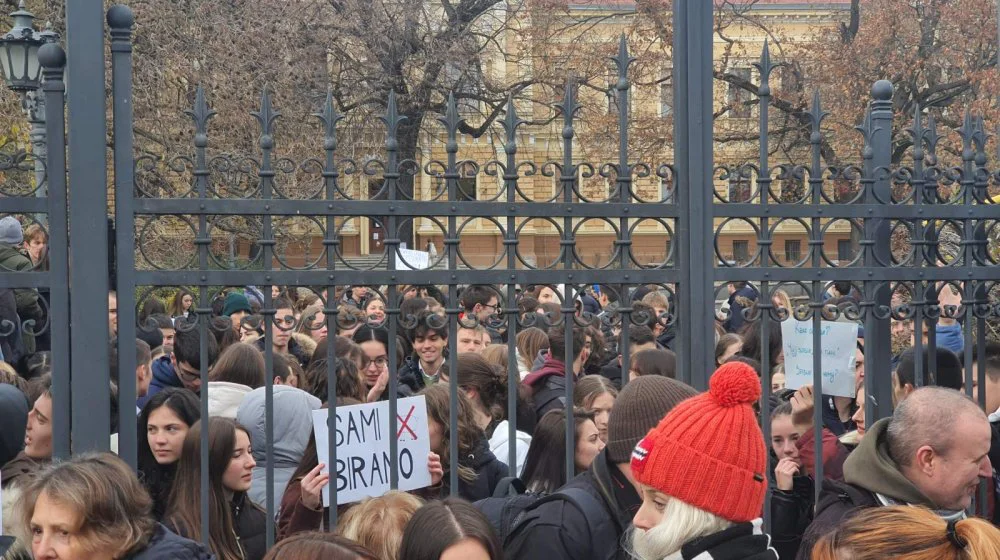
column 908, row 229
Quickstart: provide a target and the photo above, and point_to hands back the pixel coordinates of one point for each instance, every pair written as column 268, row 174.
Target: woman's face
column 783, row 437
column 56, row 533
column 239, row 473
column 777, row 382
column 186, row 301
column 38, row 435
column 547, row 295
column 588, row 445
column 165, row 432
column 859, row 416
column 377, row 360
column 601, row 409
column 318, row 330
column 435, row 433
column 650, row 513
column 466, row 549
column 375, row 310
column 275, row 292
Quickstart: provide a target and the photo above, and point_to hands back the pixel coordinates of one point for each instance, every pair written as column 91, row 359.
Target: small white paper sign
column 414, row 260
column 362, row 440
column 838, row 342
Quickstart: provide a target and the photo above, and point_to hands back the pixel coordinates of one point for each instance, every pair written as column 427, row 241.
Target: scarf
column 742, row 541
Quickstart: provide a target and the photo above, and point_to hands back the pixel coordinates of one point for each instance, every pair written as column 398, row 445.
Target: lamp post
column 22, row 74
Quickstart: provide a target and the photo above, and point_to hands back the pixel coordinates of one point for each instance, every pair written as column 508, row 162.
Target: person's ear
column 924, row 460
column 277, row 380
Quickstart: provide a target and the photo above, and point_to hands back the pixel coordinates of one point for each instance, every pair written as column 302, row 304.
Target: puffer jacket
column 224, row 398
column 489, row 471
column 292, row 427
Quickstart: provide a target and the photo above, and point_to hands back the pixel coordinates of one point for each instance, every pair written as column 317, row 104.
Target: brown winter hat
column 639, row 408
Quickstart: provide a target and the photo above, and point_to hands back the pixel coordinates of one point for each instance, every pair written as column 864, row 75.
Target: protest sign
column 838, row 342
column 362, row 435
column 414, row 260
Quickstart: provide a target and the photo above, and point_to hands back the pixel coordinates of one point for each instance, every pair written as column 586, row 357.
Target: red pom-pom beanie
column 709, row 451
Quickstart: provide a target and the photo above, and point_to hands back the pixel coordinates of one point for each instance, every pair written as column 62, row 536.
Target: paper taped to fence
column 362, row 438
column 838, row 342
column 413, row 260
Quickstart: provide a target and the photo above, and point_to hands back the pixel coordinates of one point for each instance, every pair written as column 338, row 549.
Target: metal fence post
column 88, row 209
column 120, row 20
column 879, row 342
column 693, row 20
column 53, row 61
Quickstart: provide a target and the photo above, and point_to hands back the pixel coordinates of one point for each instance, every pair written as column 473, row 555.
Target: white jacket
column 225, row 397
column 499, row 445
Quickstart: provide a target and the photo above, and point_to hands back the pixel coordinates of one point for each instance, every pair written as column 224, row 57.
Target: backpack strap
column 509, row 486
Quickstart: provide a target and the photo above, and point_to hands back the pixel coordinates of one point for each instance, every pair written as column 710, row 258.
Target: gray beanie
column 10, row 231
column 638, row 409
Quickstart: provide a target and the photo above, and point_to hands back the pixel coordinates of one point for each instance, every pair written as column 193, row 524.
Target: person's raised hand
column 380, row 384
column 802, row 409
column 312, row 487
column 784, row 472
column 435, row 468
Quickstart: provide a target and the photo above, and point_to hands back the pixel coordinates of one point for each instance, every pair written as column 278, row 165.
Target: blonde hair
column 35, row 231
column 656, row 299
column 681, row 523
column 378, row 523
column 910, row 532
column 114, row 508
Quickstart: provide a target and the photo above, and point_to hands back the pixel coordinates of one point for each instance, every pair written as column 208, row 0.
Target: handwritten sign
column 362, row 440
column 838, row 342
column 414, row 260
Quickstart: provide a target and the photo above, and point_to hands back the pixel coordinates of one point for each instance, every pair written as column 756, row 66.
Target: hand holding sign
column 434, row 467
column 802, row 409
column 363, row 465
column 312, row 487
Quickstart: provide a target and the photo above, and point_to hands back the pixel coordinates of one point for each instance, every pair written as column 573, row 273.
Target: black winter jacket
column 791, row 513
column 489, row 471
column 250, row 524
column 559, row 530
column 166, row 545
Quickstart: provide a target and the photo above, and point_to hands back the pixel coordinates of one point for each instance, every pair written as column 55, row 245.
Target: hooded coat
column 14, row 419
column 224, row 398
column 489, row 471
column 28, row 308
column 293, row 425
column 549, row 384
column 500, row 445
column 868, row 471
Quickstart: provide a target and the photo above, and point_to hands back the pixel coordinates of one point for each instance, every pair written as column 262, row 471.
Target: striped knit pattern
column 709, row 451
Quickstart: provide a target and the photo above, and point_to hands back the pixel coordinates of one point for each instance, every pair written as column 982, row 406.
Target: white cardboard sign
column 415, row 260
column 838, row 342
column 362, row 440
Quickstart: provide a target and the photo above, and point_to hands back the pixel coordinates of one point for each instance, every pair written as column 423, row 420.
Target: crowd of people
column 659, row 469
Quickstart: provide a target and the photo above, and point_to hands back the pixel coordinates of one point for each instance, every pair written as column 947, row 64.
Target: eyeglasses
column 381, row 362
column 186, row 376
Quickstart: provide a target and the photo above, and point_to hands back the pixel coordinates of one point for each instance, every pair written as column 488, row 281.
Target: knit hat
column 709, row 452
column 235, row 302
column 640, row 405
column 11, row 232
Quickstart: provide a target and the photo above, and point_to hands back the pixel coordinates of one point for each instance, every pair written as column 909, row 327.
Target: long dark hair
column 752, row 339
column 545, row 464
column 475, row 372
column 440, row 524
column 438, row 399
column 158, row 478
column 368, row 333
column 184, row 509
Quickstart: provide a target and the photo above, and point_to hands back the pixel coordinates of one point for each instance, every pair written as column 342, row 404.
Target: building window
column 466, row 190
column 741, row 250
column 739, row 187
column 844, row 250
column 738, row 98
column 793, row 250
column 666, row 99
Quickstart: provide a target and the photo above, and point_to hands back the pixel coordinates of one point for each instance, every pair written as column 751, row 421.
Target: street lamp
column 22, row 74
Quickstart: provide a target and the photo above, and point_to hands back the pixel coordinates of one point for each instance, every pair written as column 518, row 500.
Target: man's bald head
column 927, row 417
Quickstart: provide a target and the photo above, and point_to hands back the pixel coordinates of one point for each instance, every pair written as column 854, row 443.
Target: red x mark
column 404, row 425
